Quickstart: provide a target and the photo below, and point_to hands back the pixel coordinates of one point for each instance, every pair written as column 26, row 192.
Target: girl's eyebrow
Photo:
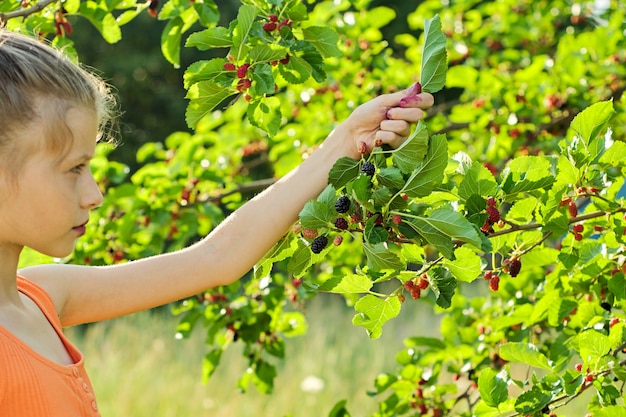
column 79, row 157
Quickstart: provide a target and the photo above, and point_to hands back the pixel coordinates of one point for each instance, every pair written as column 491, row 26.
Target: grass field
column 138, row 368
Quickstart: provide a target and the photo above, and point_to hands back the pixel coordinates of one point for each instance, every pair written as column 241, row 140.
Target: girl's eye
column 78, row 169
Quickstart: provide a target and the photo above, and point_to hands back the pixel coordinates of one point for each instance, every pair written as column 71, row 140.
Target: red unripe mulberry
column 494, row 214
column 422, row 284
column 270, row 26
column 572, row 208
column 494, row 283
column 243, row 70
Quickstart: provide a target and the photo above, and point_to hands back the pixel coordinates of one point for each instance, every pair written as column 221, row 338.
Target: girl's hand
column 386, row 119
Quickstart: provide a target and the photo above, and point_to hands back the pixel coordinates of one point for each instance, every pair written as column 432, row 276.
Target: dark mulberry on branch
column 514, row 266
column 318, row 244
column 342, row 205
column 368, row 168
column 341, row 223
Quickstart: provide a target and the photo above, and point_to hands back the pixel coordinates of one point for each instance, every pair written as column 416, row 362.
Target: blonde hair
column 33, row 73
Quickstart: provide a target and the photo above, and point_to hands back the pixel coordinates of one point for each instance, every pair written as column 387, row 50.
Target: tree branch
column 243, row 188
column 532, row 226
column 40, row 5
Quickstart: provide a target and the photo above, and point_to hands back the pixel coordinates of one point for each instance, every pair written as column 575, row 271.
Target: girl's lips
column 80, row 230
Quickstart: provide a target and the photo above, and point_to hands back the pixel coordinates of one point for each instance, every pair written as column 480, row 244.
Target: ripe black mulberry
column 341, row 223
column 368, row 168
column 342, row 205
column 514, row 266
column 318, row 244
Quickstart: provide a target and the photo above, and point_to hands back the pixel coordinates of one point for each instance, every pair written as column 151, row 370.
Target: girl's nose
column 92, row 196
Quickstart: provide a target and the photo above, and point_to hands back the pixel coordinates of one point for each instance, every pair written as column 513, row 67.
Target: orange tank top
column 34, row 386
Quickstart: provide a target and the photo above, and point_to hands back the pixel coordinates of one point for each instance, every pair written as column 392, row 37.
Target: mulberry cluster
column 342, row 205
column 318, row 244
column 494, row 215
column 368, row 168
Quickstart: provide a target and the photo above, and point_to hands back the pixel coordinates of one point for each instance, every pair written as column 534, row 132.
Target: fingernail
column 388, row 114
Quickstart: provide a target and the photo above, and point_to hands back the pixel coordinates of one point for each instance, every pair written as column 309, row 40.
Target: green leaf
column 205, row 97
column 390, row 177
column 478, row 181
column 522, row 210
column 267, row 53
column 379, row 258
column 525, row 353
column 216, row 37
column 264, row 374
column 413, row 150
column 559, row 309
column 373, row 233
column 466, row 266
column 429, row 174
column 315, row 215
column 434, row 57
column 339, row 410
column 170, row 41
column 210, row 363
column 615, row 155
column 245, row 18
column 296, row 71
column 328, row 196
column 347, row 284
column 443, row 286
column 207, row 12
column 431, row 342
column 103, row 21
column 324, row 39
column 527, row 173
column 593, row 346
column 343, row 171
column 610, row 411
column 374, row 312
column 443, row 225
column 300, row 261
column 264, row 113
column 617, row 286
column 493, row 387
column 532, row 400
column 212, row 70
column 263, row 82
column 567, row 171
column 588, row 123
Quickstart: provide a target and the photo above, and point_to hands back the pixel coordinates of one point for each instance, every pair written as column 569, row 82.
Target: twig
column 243, row 188
column 532, row 226
column 40, row 5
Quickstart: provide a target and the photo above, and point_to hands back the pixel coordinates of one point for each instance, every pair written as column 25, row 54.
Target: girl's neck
column 9, row 259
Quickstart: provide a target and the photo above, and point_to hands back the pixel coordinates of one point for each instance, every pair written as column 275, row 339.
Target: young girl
column 51, row 115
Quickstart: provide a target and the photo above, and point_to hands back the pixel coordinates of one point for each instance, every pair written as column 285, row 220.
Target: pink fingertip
column 406, row 101
column 415, row 89
column 389, row 114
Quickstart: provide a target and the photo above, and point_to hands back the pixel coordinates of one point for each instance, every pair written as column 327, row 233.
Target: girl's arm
column 86, row 294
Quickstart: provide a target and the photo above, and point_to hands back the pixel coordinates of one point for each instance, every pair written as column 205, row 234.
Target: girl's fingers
column 399, row 127
column 390, row 138
column 410, row 114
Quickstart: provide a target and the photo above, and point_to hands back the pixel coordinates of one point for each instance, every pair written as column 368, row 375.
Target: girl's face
column 48, row 207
